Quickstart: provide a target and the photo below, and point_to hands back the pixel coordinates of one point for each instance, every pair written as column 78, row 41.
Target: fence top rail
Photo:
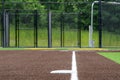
column 28, row 2
column 51, row 2
column 31, row 11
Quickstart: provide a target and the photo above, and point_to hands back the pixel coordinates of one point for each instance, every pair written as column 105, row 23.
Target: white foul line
column 74, row 75
column 73, row 72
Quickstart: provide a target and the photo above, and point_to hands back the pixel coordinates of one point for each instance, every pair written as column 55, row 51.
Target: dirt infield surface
column 37, row 65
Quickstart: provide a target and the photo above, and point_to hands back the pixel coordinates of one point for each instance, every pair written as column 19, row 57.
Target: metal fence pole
column 6, row 29
column 100, row 25
column 3, row 30
column 79, row 31
column 49, row 25
column 16, row 28
column 35, row 28
column 62, row 30
column 49, row 29
column 2, row 21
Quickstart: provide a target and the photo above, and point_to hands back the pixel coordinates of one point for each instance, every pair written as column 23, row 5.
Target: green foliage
column 80, row 7
column 83, row 9
column 111, row 17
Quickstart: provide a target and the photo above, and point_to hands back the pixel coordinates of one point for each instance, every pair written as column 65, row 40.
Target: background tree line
column 82, row 7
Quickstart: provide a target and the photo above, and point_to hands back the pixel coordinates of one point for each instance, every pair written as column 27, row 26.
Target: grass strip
column 114, row 56
column 12, row 49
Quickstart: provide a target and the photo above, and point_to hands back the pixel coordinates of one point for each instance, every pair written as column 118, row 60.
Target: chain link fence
column 110, row 24
column 59, row 24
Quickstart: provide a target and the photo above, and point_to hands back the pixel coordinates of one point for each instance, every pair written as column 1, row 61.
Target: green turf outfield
column 114, row 56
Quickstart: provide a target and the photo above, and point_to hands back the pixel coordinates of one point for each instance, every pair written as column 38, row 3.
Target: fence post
column 35, row 28
column 100, row 25
column 49, row 29
column 79, row 31
column 6, row 29
column 2, row 21
column 62, row 30
column 16, row 28
column 1, row 31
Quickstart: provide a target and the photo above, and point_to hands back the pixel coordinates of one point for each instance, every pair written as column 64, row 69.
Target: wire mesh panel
column 21, row 28
column 56, row 30
column 26, row 29
column 12, row 34
column 42, row 30
column 50, row 24
column 84, row 23
column 70, row 30
column 111, row 24
column 0, row 31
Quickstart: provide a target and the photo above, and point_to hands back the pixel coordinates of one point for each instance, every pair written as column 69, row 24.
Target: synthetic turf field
column 115, row 56
column 37, row 65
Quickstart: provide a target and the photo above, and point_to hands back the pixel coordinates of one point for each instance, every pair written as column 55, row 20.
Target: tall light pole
column 92, row 12
column 91, row 43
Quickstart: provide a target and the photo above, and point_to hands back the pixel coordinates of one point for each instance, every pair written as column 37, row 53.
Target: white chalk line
column 74, row 75
column 73, row 72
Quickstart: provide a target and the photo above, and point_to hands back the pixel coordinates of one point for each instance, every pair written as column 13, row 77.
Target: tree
column 65, row 6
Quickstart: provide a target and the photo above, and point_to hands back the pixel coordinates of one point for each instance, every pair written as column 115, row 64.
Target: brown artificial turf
column 37, row 65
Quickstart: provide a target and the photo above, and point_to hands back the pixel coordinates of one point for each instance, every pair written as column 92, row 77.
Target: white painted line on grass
column 73, row 72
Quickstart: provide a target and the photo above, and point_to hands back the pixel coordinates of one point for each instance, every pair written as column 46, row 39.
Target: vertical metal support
column 91, row 42
column 62, row 30
column 100, row 25
column 79, row 31
column 49, row 29
column 6, row 29
column 35, row 28
column 1, row 31
column 2, row 21
column 16, row 28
